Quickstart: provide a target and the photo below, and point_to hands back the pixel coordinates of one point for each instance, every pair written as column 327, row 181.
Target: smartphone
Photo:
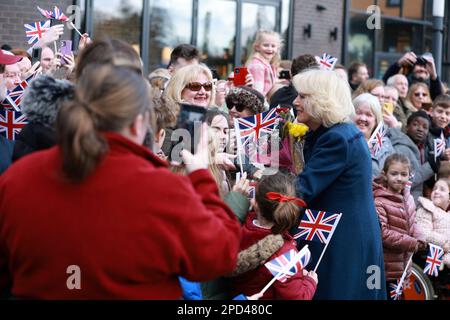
column 191, row 118
column 284, row 74
column 388, row 107
column 36, row 55
column 66, row 50
column 239, row 76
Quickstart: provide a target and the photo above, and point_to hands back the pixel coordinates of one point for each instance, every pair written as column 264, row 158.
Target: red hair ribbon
column 282, row 198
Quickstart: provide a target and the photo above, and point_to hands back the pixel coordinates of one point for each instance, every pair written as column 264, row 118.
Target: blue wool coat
column 337, row 178
column 6, row 151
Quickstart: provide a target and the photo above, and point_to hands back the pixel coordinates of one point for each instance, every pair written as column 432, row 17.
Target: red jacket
column 399, row 230
column 297, row 287
column 132, row 227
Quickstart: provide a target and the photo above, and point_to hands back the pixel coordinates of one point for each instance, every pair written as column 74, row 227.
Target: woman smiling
column 192, row 84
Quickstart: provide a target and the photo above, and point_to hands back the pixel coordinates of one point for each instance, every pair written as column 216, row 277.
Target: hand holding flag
column 434, row 260
column 376, row 140
column 287, row 265
column 439, row 146
column 35, row 31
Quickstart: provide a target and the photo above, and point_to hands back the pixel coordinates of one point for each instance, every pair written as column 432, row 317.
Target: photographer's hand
column 200, row 159
column 408, row 60
column 431, row 67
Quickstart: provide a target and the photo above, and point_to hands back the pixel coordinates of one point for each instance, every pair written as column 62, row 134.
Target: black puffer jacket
column 41, row 103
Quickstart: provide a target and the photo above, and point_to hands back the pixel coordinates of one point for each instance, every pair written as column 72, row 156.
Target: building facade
column 224, row 29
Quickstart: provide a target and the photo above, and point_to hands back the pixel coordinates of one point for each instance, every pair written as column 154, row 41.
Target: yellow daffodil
column 297, row 130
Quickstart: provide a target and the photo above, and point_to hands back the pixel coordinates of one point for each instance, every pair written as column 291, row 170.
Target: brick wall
column 15, row 13
column 322, row 23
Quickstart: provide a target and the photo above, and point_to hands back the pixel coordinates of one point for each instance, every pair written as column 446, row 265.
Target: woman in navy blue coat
column 337, row 178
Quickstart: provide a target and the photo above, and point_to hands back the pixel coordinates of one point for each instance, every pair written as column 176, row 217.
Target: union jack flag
column 297, row 261
column 408, row 184
column 376, row 140
column 439, row 146
column 251, row 129
column 434, row 260
column 11, row 123
column 396, row 291
column 317, row 226
column 56, row 14
column 36, row 30
column 327, row 62
column 14, row 97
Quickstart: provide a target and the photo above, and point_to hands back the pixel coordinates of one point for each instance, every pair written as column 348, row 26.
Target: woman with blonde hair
column 418, row 95
column 337, row 178
column 192, row 84
column 264, row 60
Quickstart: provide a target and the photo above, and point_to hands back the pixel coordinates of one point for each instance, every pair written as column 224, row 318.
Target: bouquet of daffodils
column 291, row 137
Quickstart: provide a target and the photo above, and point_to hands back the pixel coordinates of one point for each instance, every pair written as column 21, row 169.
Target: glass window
column 361, row 4
column 216, row 34
column 170, row 25
column 285, row 12
column 390, row 8
column 255, row 17
column 407, row 36
column 360, row 45
column 119, row 19
column 413, row 9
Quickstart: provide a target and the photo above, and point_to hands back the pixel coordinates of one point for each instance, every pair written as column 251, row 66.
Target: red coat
column 297, row 287
column 132, row 227
column 399, row 230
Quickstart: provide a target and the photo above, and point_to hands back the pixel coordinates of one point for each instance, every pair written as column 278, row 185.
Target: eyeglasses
column 239, row 107
column 423, row 94
column 197, row 86
column 13, row 75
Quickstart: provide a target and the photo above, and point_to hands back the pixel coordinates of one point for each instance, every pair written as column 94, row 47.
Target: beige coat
column 435, row 224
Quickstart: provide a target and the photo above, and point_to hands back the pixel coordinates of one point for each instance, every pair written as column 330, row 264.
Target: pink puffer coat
column 398, row 228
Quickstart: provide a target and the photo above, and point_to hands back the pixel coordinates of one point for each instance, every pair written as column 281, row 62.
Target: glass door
column 256, row 17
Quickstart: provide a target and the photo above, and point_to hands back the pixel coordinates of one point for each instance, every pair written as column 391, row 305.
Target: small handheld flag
column 434, row 260
column 14, row 97
column 376, row 140
column 276, row 266
column 327, row 62
column 11, row 123
column 56, row 14
column 283, row 269
column 396, row 291
column 36, row 30
column 439, row 146
column 250, row 129
column 316, row 226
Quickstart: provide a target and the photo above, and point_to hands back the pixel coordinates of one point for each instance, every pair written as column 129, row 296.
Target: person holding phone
column 125, row 189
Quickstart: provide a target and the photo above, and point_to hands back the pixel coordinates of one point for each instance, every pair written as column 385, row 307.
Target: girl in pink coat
column 264, row 59
column 396, row 211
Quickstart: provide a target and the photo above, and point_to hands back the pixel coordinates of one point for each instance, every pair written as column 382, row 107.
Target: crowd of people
column 96, row 177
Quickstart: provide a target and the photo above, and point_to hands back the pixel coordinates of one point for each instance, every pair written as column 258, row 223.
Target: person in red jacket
column 274, row 217
column 396, row 211
column 99, row 216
